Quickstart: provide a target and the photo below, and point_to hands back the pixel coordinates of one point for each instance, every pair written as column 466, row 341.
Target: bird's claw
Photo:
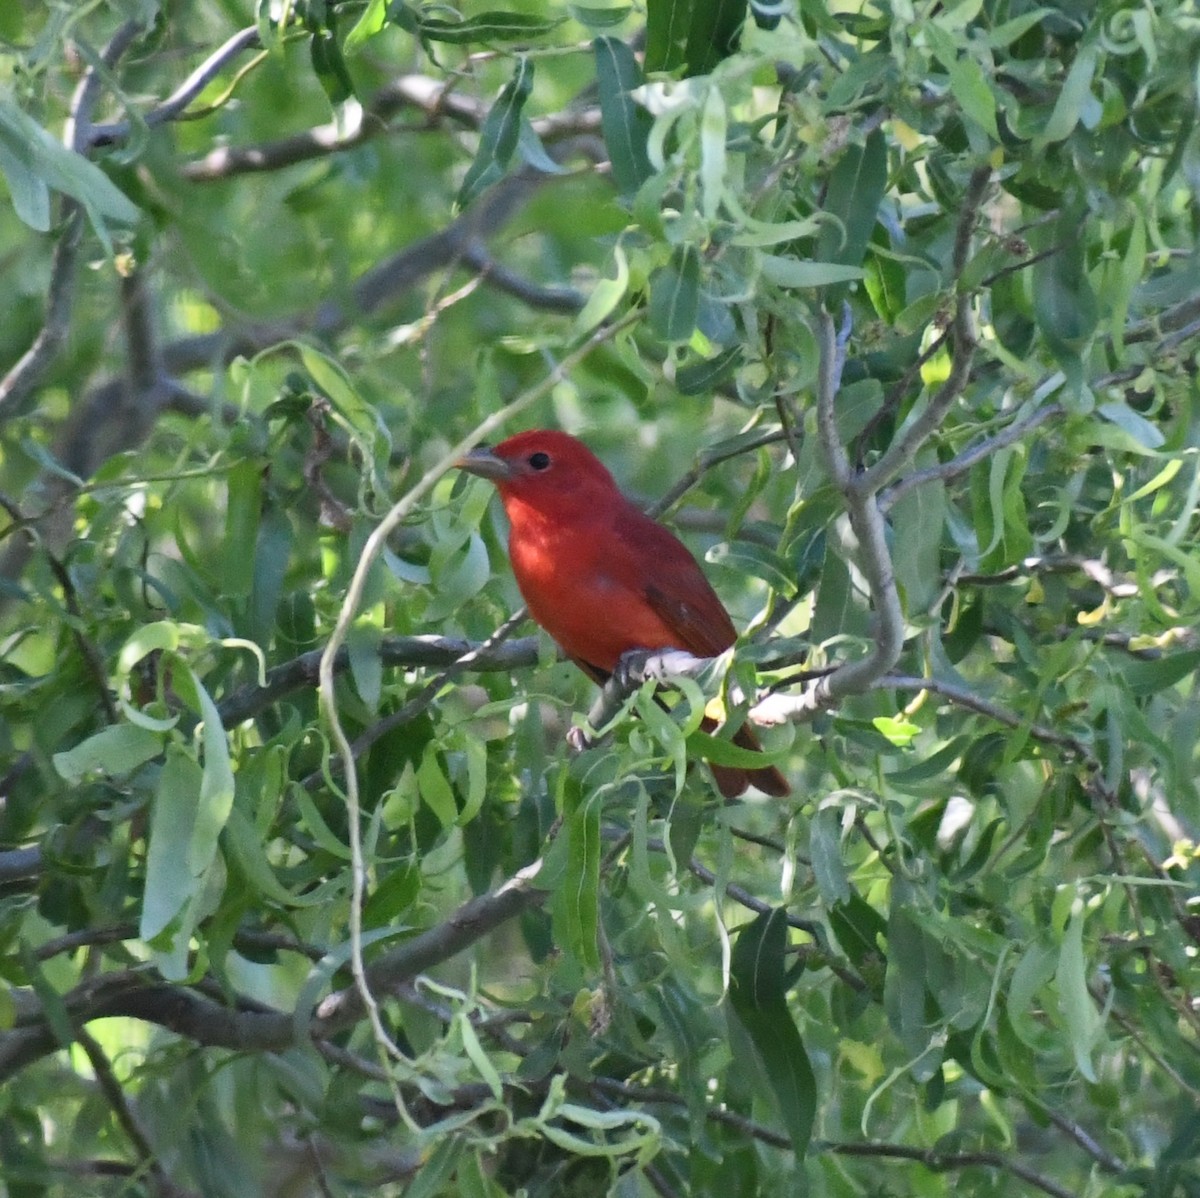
column 579, row 739
column 630, row 671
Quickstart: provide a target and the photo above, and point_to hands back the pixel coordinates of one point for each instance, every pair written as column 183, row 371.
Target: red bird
column 599, row 575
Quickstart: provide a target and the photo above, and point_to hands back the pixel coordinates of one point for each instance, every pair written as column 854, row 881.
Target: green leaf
column 32, row 150
column 790, row 272
column 372, row 21
column 668, row 23
column 1075, row 92
column 758, row 998
column 1034, row 969
column 904, row 984
column 436, row 1171
column 918, row 520
column 499, row 136
column 1064, row 302
column 577, row 905
column 1080, row 1017
column 624, row 123
column 27, row 190
column 599, row 18
column 168, row 885
column 715, row 28
column 1008, row 32
column 605, row 295
column 242, row 510
column 897, row 729
column 725, row 752
column 1155, row 676
column 856, row 189
column 366, row 665
column 704, row 377
column 1143, row 431
column 675, row 295
column 330, row 378
column 489, row 27
column 114, row 752
column 968, row 84
column 757, row 561
column 825, row 849
column 693, row 34
column 329, row 66
column 436, row 791
column 243, row 843
column 216, row 785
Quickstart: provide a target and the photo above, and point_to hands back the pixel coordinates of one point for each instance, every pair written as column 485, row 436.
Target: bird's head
column 542, row 466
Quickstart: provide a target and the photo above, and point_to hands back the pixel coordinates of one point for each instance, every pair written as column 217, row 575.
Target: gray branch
column 197, row 1015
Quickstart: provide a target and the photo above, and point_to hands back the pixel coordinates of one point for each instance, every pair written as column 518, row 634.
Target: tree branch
column 251, row 1026
column 902, row 451
column 981, row 451
column 301, row 672
column 173, row 106
column 435, row 98
column 25, row 375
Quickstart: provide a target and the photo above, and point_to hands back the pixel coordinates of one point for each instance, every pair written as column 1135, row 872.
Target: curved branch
column 175, row 104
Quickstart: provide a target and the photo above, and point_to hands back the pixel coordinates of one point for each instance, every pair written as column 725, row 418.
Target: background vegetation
column 890, row 308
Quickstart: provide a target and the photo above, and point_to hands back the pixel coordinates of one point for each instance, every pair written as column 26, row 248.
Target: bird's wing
column 674, row 586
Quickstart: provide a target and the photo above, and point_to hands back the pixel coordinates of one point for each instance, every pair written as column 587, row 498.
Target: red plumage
column 599, row 575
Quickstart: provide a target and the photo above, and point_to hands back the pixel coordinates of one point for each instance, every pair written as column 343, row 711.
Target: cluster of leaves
column 969, row 937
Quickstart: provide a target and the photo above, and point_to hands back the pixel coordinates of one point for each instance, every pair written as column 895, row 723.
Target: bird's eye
column 539, row 461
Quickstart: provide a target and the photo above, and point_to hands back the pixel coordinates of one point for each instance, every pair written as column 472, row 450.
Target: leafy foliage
column 892, row 312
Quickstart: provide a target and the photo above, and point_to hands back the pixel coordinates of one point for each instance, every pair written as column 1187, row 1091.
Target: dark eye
column 539, row 461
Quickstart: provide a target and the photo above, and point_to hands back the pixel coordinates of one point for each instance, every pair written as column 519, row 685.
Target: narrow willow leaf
column 675, row 295
column 44, row 157
column 968, row 84
column 372, row 21
column 580, row 889
column 712, row 153
column 918, row 521
column 700, row 378
column 499, row 136
column 605, row 295
column 667, row 25
column 1076, row 91
column 790, row 272
column 1080, row 1017
column 825, row 848
column 113, row 751
column 215, row 800
column 436, row 792
column 243, row 507
column 1143, row 431
column 758, row 998
column 28, row 191
column 488, row 27
column 715, row 28
column 625, row 124
column 599, row 18
column 855, row 191
column 172, row 817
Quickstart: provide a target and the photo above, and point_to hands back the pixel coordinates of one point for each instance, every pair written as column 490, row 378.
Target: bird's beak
column 485, row 463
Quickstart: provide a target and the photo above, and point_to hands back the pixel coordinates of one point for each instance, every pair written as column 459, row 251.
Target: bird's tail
column 733, row 780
